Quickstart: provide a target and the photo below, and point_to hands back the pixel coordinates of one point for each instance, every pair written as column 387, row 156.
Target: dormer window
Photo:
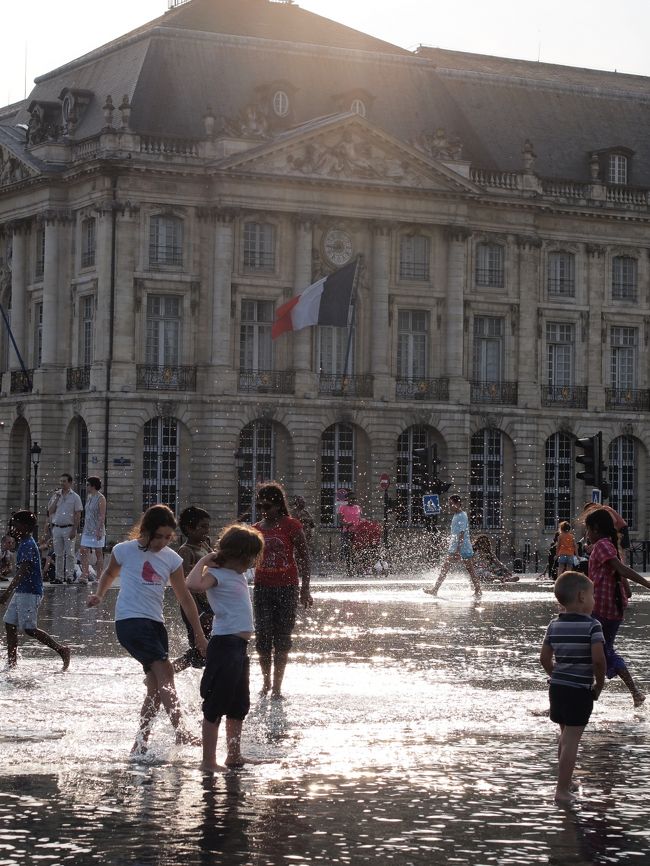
column 280, row 103
column 617, row 168
column 358, row 106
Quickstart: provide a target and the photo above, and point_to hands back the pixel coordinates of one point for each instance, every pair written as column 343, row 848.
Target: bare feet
column 638, row 698
column 266, row 688
column 140, row 747
column 236, row 763
column 65, row 655
column 212, row 768
column 277, row 696
column 430, row 590
column 565, row 798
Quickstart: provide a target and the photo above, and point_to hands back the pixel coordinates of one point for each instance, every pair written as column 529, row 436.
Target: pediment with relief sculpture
column 347, row 148
column 12, row 169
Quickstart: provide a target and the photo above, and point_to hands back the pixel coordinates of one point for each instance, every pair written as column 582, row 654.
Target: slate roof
column 220, row 52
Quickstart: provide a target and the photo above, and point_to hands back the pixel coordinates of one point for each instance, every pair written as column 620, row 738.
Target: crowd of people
column 212, row 589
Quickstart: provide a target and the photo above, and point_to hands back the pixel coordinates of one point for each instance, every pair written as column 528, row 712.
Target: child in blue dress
column 460, row 548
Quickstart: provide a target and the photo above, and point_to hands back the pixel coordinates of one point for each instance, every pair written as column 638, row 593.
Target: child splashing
column 146, row 564
column 225, row 683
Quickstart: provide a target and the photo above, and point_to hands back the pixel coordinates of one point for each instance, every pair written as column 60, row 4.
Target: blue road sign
column 431, row 504
column 596, row 496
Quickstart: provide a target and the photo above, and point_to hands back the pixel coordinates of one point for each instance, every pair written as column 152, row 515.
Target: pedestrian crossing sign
column 431, row 504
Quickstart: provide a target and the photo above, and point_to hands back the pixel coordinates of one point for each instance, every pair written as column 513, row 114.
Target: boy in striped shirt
column 573, row 656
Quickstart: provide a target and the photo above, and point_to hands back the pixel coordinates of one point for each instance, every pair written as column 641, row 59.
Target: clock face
column 337, row 246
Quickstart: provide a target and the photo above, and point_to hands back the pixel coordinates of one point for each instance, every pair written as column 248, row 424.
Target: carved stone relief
column 12, row 170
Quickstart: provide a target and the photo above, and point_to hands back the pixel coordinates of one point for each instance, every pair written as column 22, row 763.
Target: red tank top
column 278, row 566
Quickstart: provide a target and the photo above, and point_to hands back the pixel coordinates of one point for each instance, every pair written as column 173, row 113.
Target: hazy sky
column 574, row 32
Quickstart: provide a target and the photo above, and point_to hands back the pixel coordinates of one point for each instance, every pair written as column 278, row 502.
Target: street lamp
column 35, row 451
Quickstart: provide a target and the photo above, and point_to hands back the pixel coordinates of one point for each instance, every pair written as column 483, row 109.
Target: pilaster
column 306, row 378
column 18, row 292
column 526, row 371
column 592, row 329
column 457, row 240
column 221, row 356
column 383, row 384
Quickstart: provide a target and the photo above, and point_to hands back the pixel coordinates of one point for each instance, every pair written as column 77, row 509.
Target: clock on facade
column 337, row 247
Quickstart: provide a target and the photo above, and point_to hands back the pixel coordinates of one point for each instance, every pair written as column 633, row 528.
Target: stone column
column 18, row 294
column 302, row 341
column 591, row 330
column 127, row 339
column 103, row 325
column 384, row 386
column 51, row 336
column 526, row 370
column 457, row 239
column 222, row 325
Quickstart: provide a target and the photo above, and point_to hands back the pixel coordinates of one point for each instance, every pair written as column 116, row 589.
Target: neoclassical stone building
column 162, row 195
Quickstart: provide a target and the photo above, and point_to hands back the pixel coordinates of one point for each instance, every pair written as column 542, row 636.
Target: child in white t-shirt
column 145, row 565
column 225, row 683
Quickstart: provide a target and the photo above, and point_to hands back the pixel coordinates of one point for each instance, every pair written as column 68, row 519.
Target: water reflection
column 414, row 731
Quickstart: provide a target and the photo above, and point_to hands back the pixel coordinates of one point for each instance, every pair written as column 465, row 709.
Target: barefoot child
column 145, row 565
column 486, row 564
column 567, row 549
column 572, row 655
column 460, row 548
column 27, row 589
column 194, row 523
column 225, row 682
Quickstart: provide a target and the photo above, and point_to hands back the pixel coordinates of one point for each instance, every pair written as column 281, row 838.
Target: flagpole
column 351, row 317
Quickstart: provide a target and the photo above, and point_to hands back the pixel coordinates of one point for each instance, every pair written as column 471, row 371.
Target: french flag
column 323, row 303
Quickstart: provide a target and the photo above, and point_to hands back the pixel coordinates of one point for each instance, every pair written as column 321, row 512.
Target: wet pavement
column 413, row 731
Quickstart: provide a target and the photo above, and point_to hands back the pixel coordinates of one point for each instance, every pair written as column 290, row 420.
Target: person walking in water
column 281, row 580
column 566, row 550
column 64, row 514
column 460, row 548
column 93, row 537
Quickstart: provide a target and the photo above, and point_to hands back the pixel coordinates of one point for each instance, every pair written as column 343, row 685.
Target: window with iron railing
column 412, row 338
column 486, row 479
column 163, row 330
column 160, row 462
column 561, row 274
column 414, row 257
column 558, row 479
column 255, row 344
column 623, row 470
column 623, row 361
column 490, row 265
column 337, row 468
column 624, row 278
column 259, row 246
column 86, row 329
column 165, row 241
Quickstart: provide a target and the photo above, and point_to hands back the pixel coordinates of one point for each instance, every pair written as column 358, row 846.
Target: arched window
column 160, row 455
column 558, row 479
column 490, row 265
column 623, row 478
column 486, row 479
column 165, row 241
column 337, row 468
column 410, row 481
column 257, row 450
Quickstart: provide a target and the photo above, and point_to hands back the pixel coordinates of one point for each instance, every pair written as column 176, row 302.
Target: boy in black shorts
column 573, row 655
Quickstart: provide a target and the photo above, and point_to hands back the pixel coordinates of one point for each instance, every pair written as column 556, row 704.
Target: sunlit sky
column 39, row 35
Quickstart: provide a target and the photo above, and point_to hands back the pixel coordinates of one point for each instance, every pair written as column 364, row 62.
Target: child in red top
column 611, row 591
column 281, row 580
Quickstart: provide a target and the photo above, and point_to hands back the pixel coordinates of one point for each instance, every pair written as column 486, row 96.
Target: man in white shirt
column 64, row 513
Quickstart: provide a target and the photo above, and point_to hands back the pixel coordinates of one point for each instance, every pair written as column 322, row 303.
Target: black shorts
column 275, row 610
column 225, row 683
column 569, row 705
column 145, row 639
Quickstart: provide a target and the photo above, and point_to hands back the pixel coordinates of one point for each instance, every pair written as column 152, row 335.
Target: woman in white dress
column 93, row 537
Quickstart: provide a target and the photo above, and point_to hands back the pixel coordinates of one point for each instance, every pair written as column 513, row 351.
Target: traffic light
column 594, row 473
column 425, row 471
column 438, row 486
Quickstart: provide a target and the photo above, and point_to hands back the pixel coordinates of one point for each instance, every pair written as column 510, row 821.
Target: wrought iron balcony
column 338, row 385
column 503, row 393
column 267, row 381
column 569, row 396
column 421, row 389
column 627, row 400
column 21, row 381
column 77, row 378
column 169, row 378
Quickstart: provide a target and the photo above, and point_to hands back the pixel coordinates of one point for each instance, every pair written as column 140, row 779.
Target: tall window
column 412, row 339
column 86, row 330
column 259, row 246
column 488, row 349
column 623, row 358
column 81, row 458
column 624, row 278
column 409, row 483
column 88, row 242
column 486, row 473
column 622, row 461
column 162, row 347
column 414, row 257
column 333, row 349
column 561, row 274
column 617, row 168
column 558, row 479
column 160, row 463
column 257, row 448
column 165, row 241
column 39, row 262
column 560, row 341
column 255, row 346
column 38, row 335
column 337, row 468
column 489, row 265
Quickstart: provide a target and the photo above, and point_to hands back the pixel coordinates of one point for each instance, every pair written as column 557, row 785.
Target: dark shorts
column 145, row 639
column 225, row 682
column 569, row 705
column 205, row 617
column 275, row 610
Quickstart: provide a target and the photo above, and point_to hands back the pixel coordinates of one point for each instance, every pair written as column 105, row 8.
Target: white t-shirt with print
column 230, row 601
column 143, row 578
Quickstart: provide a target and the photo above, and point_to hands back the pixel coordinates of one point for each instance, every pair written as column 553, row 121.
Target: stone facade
column 497, row 307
